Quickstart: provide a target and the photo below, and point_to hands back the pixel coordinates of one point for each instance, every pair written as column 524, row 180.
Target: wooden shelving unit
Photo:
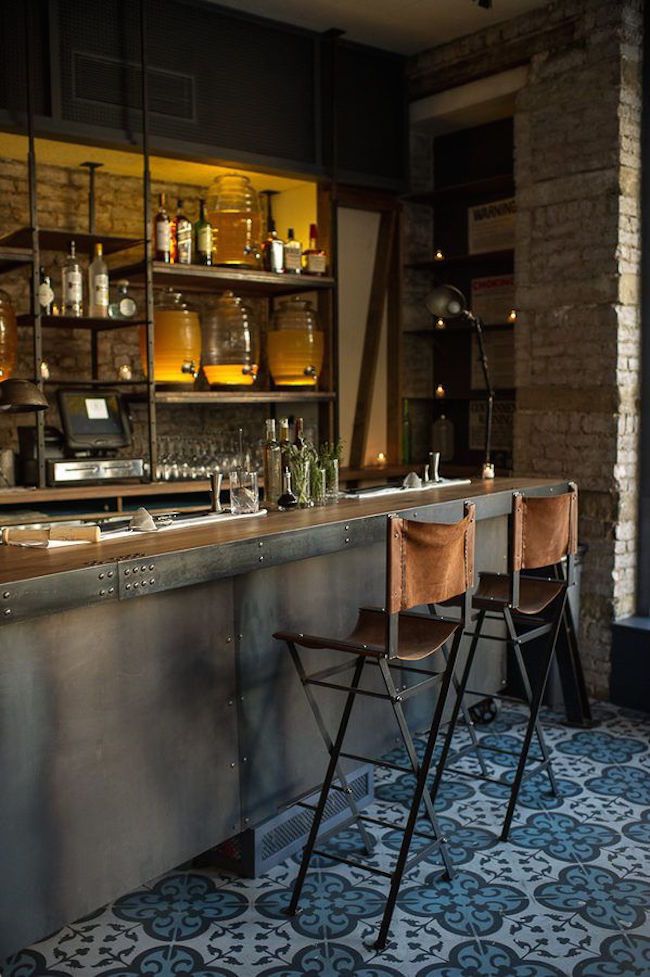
column 56, row 239
column 503, row 257
column 216, row 397
column 80, row 322
column 244, row 281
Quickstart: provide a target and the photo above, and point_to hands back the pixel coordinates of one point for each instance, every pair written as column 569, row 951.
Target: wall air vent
column 107, row 81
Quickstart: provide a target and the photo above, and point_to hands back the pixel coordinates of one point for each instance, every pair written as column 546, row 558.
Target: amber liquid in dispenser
column 292, row 356
column 236, row 237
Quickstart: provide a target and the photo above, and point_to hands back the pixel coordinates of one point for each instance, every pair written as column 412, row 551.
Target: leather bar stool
column 426, row 563
column 543, row 533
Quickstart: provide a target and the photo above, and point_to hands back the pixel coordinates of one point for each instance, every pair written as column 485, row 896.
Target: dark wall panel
column 215, row 79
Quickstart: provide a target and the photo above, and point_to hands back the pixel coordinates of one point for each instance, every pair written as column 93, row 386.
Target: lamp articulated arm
column 489, row 390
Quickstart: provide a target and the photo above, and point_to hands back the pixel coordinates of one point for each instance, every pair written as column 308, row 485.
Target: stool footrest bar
column 352, row 861
column 377, row 763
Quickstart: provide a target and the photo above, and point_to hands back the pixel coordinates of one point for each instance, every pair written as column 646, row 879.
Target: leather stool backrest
column 428, row 563
column 544, row 531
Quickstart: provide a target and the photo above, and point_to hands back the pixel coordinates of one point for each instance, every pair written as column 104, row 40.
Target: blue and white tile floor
column 568, row 895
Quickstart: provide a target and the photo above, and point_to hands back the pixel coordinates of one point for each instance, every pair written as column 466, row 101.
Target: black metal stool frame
column 386, row 660
column 516, row 640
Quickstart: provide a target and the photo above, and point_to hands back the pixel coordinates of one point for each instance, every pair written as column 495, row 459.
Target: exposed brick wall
column 577, row 159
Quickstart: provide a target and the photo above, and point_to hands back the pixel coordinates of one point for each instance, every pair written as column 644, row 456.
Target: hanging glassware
column 295, row 344
column 177, row 340
column 8, row 336
column 230, row 342
column 236, row 217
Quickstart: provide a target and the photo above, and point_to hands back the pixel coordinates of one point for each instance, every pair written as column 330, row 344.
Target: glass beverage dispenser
column 236, row 217
column 295, row 344
column 230, row 342
column 177, row 340
column 8, row 336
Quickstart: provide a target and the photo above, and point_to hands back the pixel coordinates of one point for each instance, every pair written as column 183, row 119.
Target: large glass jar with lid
column 236, row 217
column 230, row 342
column 295, row 344
column 177, row 339
column 8, row 336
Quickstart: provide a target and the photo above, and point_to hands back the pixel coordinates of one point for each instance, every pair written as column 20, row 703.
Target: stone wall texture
column 577, row 174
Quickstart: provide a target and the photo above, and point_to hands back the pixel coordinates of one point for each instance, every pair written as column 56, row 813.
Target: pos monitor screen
column 94, row 420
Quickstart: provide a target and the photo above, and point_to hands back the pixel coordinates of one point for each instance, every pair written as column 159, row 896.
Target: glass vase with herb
column 329, row 459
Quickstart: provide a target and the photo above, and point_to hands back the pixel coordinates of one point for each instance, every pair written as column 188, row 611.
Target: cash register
column 95, row 426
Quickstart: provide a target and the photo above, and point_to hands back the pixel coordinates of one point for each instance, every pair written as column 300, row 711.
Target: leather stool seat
column 535, row 593
column 418, row 637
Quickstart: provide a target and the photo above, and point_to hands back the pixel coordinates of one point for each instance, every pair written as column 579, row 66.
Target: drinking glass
column 244, row 494
column 332, row 469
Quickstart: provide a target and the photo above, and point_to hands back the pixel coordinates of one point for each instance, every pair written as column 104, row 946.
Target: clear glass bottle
column 442, row 438
column 8, row 336
column 230, row 342
column 272, row 467
column 162, row 249
column 72, row 290
column 292, row 254
column 45, row 292
column 295, row 344
column 314, row 259
column 203, row 237
column 182, row 236
column 98, row 288
column 285, row 441
column 234, row 212
column 124, row 306
column 177, row 332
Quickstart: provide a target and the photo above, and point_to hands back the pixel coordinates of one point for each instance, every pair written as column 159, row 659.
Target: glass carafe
column 8, row 336
column 230, row 342
column 236, row 217
column 295, row 344
column 177, row 340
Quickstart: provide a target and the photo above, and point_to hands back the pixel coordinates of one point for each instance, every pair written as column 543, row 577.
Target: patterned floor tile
column 567, row 896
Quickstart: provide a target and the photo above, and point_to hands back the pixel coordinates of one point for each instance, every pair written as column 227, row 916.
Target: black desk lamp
column 446, row 302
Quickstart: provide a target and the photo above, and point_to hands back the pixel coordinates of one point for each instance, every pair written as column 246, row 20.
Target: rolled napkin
column 412, row 481
column 16, row 536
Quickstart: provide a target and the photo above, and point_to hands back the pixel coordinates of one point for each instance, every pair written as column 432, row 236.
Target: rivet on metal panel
column 128, row 586
column 126, row 573
column 109, row 574
column 152, row 581
column 233, row 764
column 144, row 569
column 152, row 566
column 246, row 820
column 6, row 595
column 347, row 528
column 244, row 759
column 101, row 576
column 347, row 539
column 228, row 639
column 144, row 583
column 136, row 585
column 261, row 559
column 260, row 544
column 102, row 593
column 111, row 590
column 135, row 569
column 230, row 701
column 7, row 612
column 240, row 636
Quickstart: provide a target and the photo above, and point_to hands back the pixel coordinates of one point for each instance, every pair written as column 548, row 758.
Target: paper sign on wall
column 493, row 298
column 491, row 227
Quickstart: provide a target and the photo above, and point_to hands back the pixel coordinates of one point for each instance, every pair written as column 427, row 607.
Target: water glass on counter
column 244, row 492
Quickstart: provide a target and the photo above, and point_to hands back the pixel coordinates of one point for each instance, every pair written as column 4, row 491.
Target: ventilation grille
column 108, row 81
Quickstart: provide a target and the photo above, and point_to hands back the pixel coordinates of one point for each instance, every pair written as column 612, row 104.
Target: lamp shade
column 20, row 396
column 446, row 302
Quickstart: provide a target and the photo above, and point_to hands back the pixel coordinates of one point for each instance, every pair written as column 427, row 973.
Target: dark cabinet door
column 370, row 117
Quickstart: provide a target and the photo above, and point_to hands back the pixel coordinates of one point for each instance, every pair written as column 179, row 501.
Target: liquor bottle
column 72, row 284
column 285, row 441
column 273, row 250
column 203, row 234
column 181, row 237
column 45, row 292
column 299, row 441
column 272, row 467
column 314, row 259
column 287, row 500
column 442, row 438
column 292, row 254
column 163, row 233
column 406, row 434
column 98, row 285
column 124, row 306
